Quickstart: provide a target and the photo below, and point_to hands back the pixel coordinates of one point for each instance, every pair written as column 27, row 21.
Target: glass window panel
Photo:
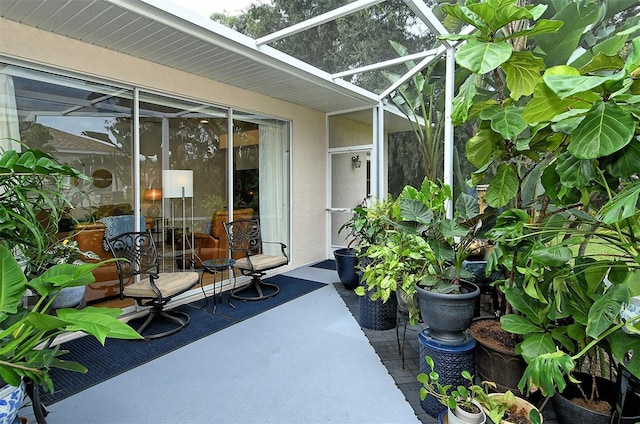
column 261, row 173
column 83, row 124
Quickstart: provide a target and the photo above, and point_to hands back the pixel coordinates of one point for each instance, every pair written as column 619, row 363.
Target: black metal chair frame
column 139, row 259
column 245, row 241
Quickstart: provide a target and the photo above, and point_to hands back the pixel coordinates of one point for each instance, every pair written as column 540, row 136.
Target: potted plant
column 27, row 334
column 361, row 231
column 32, row 201
column 555, row 109
column 472, row 403
column 369, row 227
column 445, row 290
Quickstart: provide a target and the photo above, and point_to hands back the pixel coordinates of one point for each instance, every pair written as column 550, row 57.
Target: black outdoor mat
column 118, row 356
column 328, row 264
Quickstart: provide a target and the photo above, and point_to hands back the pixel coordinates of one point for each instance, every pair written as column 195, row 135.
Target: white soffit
column 162, row 32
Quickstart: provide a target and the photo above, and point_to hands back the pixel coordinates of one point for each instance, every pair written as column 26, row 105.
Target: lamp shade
column 152, row 194
column 173, row 180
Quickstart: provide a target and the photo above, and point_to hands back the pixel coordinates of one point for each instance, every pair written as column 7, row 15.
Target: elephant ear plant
column 557, row 112
column 26, row 334
column 32, row 200
column 422, row 246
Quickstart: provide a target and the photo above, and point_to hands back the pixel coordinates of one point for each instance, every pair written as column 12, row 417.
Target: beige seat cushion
column 169, row 283
column 261, row 262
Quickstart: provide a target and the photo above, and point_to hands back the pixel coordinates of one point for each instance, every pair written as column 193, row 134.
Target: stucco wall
column 309, row 130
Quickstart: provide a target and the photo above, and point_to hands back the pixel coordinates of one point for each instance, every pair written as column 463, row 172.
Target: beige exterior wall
column 309, row 130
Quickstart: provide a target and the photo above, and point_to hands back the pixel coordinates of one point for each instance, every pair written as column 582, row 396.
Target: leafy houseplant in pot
column 471, row 402
column 556, row 110
column 375, row 312
column 447, row 297
column 31, row 203
column 27, row 334
column 461, row 406
column 364, row 228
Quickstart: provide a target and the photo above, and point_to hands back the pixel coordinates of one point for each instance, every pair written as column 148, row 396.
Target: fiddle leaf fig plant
column 554, row 93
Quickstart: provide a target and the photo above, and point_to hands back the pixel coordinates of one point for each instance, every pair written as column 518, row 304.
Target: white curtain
column 9, row 126
column 274, row 185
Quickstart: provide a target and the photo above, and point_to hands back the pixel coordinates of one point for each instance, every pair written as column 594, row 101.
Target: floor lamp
column 178, row 184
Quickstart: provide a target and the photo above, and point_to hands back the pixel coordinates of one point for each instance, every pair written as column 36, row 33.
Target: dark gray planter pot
column 448, row 316
column 378, row 315
column 346, row 265
column 570, row 413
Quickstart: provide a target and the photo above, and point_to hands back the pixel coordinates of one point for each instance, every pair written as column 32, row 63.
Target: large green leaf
column 626, row 162
column 507, row 121
column 99, row 322
column 552, row 256
column 546, row 105
column 415, row 210
column 535, row 345
column 467, row 206
column 482, row 57
column 567, row 85
column 498, row 13
column 503, row 188
column 605, row 311
column 481, row 147
column 622, row 343
column 523, row 71
column 464, row 14
column 559, row 46
column 624, row 205
column 464, row 100
column 12, row 282
column 573, row 172
column 547, row 373
column 518, row 324
column 531, row 185
column 605, row 129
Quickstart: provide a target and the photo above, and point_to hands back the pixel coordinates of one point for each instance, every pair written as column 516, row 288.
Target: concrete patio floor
column 307, row 361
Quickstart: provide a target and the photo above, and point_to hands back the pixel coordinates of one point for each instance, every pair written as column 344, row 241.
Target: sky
column 207, row 7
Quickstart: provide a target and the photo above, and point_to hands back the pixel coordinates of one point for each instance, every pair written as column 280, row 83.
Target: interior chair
column 213, row 245
column 246, row 247
column 141, row 280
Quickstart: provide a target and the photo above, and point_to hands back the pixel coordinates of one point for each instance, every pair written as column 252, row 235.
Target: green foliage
column 32, row 201
column 496, row 405
column 452, row 240
column 26, row 334
column 368, row 223
column 553, row 90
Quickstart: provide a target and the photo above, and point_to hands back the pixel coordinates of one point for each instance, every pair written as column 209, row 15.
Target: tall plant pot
column 496, row 359
column 570, row 413
column 448, row 315
column 346, row 265
column 378, row 315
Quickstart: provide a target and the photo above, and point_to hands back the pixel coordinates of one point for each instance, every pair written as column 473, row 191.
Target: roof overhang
column 161, row 31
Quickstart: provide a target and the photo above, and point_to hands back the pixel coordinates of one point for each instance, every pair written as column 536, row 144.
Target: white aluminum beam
column 426, row 15
column 419, row 67
column 387, row 63
column 317, row 21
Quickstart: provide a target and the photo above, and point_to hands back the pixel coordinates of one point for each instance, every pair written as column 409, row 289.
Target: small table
column 216, row 267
